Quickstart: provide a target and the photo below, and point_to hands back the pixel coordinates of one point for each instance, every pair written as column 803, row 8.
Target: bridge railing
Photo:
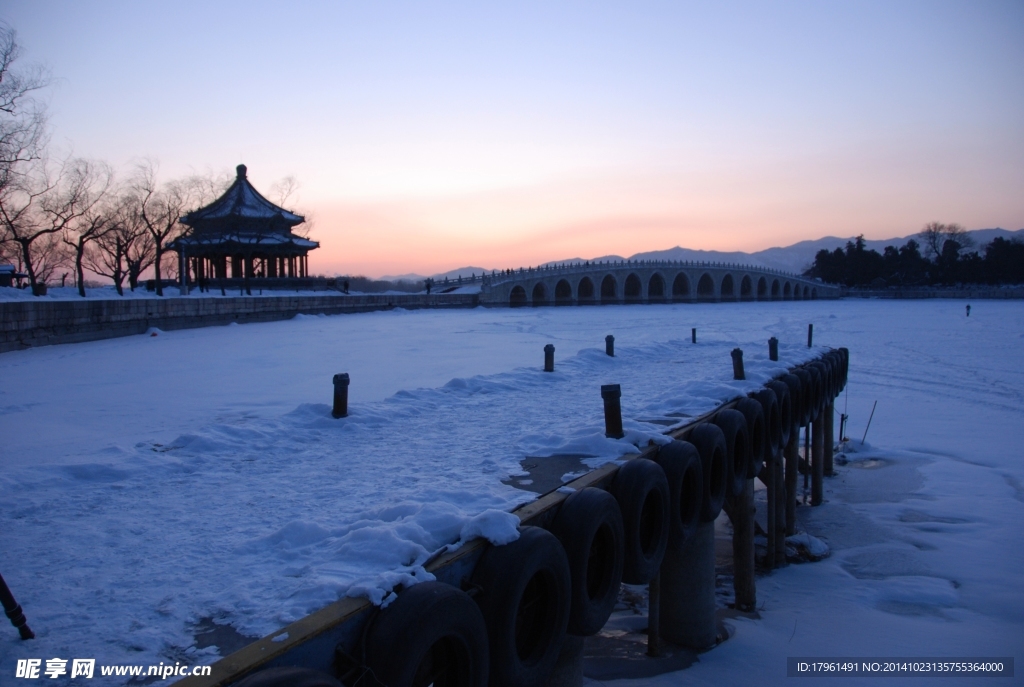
column 503, row 276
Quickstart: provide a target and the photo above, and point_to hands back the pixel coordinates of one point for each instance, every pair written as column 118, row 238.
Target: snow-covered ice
column 151, row 482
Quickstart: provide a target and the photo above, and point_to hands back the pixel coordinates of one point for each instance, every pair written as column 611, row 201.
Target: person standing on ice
column 968, row 309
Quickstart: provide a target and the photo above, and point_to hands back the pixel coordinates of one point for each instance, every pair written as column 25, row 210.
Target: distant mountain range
column 795, row 258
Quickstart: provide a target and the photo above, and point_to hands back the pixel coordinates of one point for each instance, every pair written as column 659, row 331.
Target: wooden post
column 772, row 489
column 773, row 349
column 654, row 616
column 693, row 335
column 688, row 591
column 341, row 382
column 792, row 469
column 549, row 358
column 818, row 460
column 830, row 412
column 737, row 364
column 612, row 411
column 781, row 499
column 742, row 516
column 810, row 335
column 609, row 345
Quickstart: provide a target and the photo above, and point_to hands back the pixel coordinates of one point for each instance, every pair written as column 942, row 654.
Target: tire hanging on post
column 433, row 633
column 710, row 444
column 772, row 422
column 737, row 448
column 641, row 489
column 784, row 399
column 681, row 463
column 753, row 414
column 524, row 595
column 589, row 526
column 806, row 391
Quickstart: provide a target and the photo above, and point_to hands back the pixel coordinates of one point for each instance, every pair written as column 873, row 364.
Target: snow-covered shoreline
column 150, row 482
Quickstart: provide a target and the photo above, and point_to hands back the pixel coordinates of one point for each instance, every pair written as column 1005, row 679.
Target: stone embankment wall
column 44, row 322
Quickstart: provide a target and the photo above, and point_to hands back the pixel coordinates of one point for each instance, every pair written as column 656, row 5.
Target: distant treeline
column 943, row 255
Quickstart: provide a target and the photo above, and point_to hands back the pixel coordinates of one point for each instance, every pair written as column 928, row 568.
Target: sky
column 429, row 136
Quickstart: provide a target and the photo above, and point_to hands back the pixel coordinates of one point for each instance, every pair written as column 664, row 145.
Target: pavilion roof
column 242, row 202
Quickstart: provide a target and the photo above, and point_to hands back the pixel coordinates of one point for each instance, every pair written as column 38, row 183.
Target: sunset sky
column 427, row 136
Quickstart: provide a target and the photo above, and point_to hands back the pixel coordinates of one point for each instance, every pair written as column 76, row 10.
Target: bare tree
column 160, row 206
column 286, row 190
column 42, row 203
column 22, row 139
column 22, row 117
column 106, row 257
column 49, row 255
column 95, row 217
column 935, row 234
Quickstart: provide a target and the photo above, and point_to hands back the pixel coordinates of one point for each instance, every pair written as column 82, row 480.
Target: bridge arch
column 681, row 286
column 746, row 288
column 705, row 287
column 585, row 290
column 787, row 291
column 728, row 288
column 762, row 288
column 539, row 295
column 563, row 292
column 633, row 289
column 656, row 287
column 807, row 293
column 776, row 290
column 517, row 298
column 814, row 294
column 609, row 289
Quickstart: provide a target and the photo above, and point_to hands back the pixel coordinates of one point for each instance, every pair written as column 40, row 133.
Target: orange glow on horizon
column 748, row 211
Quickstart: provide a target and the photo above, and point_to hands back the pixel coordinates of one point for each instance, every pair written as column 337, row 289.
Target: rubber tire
column 737, row 448
column 753, row 413
column 413, row 626
column 837, row 371
column 290, row 676
column 818, row 377
column 709, row 441
column 535, row 564
column 783, row 398
column 681, row 463
column 806, row 395
column 772, row 423
column 589, row 526
column 825, row 366
column 641, row 489
column 844, row 368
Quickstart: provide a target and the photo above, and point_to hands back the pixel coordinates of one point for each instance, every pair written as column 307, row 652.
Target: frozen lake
column 149, row 482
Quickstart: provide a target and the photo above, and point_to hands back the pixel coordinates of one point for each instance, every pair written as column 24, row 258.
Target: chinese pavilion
column 246, row 232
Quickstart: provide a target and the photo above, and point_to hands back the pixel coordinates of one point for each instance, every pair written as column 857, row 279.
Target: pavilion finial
column 241, row 171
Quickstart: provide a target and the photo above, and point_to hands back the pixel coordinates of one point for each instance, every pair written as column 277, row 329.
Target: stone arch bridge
column 646, row 281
